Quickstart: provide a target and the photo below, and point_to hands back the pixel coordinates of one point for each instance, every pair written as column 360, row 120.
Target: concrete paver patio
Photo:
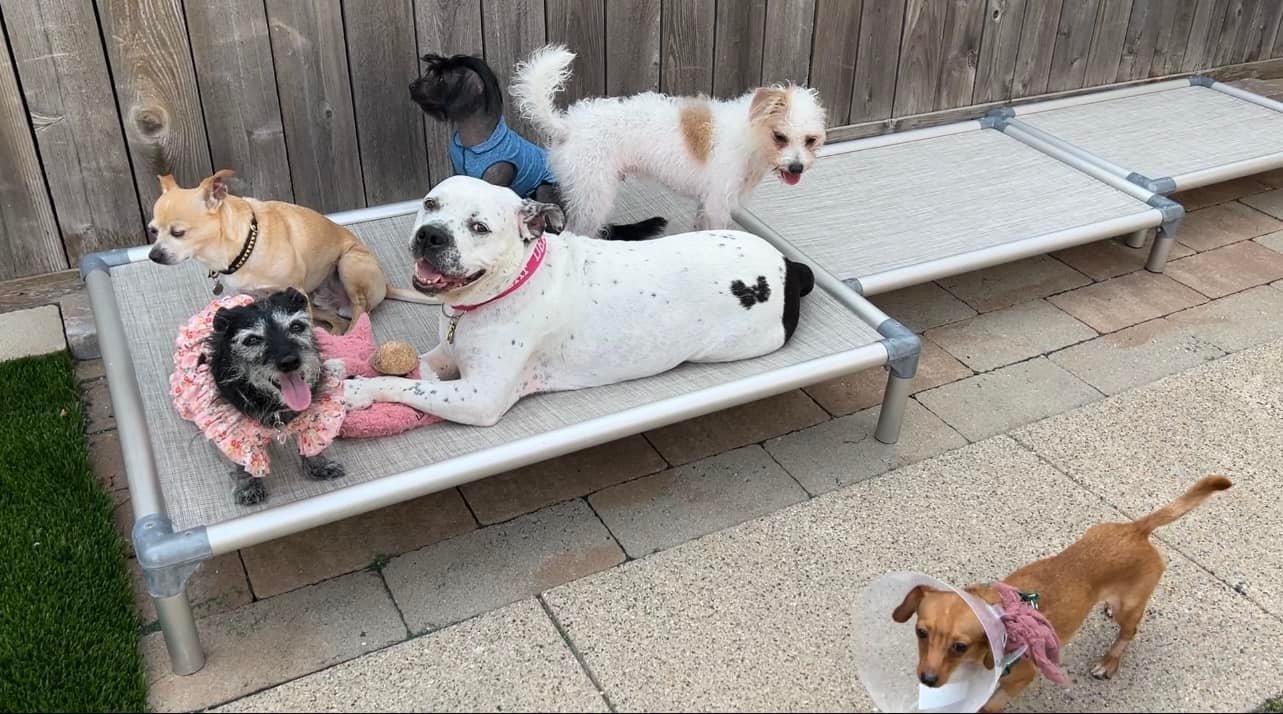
column 713, row 563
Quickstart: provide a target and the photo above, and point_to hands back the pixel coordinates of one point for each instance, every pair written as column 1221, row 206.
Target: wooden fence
column 307, row 99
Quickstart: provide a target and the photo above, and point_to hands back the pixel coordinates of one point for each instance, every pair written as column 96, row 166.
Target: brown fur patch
column 697, row 130
column 768, row 103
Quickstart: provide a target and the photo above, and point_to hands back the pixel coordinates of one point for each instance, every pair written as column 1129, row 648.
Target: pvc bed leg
column 181, row 638
column 1163, row 240
column 168, row 560
column 903, row 348
column 1136, row 239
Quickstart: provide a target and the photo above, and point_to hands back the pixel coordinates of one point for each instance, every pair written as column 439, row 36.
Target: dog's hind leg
column 589, row 191
column 362, row 279
column 1129, row 610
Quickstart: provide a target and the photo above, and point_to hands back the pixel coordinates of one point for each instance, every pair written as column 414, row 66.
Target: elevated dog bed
column 181, row 487
column 1167, row 136
column 892, row 211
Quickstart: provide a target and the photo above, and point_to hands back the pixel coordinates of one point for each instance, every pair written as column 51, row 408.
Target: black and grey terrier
column 464, row 91
column 265, row 362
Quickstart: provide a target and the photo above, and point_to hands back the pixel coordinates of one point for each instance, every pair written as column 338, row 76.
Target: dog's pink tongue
column 790, row 178
column 296, row 393
column 424, row 272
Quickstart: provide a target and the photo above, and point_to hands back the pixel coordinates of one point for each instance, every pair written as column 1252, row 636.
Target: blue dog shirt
column 529, row 161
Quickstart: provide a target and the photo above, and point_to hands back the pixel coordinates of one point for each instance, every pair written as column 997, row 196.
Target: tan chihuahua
column 257, row 246
column 1113, row 563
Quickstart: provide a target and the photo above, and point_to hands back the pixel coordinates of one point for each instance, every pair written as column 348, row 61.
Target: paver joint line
column 579, row 657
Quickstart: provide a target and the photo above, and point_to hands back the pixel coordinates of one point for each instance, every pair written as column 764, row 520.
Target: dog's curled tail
column 536, row 83
column 408, row 295
column 1190, row 500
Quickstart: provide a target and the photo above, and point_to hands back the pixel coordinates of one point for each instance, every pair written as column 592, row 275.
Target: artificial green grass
column 68, row 632
column 1273, row 705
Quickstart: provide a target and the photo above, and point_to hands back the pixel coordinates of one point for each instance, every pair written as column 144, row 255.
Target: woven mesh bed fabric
column 155, row 300
column 1168, row 133
column 865, row 212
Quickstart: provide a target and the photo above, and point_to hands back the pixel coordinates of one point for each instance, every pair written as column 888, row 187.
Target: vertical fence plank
column 1073, row 43
column 1173, row 38
column 738, row 46
column 513, row 29
column 876, row 61
column 310, row 55
column 156, row 92
column 1037, row 43
column 786, row 47
column 1142, row 37
column 1233, row 27
column 581, row 26
column 999, row 43
column 29, row 242
column 963, row 32
column 1202, row 33
column 389, row 127
column 1260, row 48
column 837, row 37
column 632, row 46
column 1107, row 42
column 446, row 27
column 63, row 72
column 688, row 28
column 238, row 92
column 920, row 57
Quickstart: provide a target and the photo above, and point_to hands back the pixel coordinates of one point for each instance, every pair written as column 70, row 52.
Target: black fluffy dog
column 464, row 91
column 265, row 361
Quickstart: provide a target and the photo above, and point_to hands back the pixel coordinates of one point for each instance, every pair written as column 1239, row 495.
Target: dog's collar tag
column 449, row 333
column 218, row 283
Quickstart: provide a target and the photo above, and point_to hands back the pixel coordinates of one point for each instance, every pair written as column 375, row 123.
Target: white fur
column 595, row 143
column 596, row 312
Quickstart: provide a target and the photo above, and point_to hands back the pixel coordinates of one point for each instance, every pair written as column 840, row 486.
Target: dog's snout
column 929, row 678
column 430, row 238
column 288, row 363
column 158, row 255
column 795, row 167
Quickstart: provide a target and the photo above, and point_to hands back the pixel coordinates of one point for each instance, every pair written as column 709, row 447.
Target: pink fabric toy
column 1026, row 627
column 356, row 348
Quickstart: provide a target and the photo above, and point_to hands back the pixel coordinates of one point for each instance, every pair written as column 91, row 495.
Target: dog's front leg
column 714, row 214
column 479, row 401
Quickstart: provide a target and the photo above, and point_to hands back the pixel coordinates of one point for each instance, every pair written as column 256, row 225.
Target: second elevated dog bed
column 180, row 486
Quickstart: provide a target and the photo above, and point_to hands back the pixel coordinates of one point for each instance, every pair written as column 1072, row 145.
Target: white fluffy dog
column 717, row 151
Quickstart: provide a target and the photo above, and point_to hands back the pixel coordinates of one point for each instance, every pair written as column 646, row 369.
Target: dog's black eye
column 430, row 204
column 781, row 139
column 177, row 232
column 922, row 634
column 959, row 647
column 153, row 231
column 810, row 141
column 298, row 327
column 251, row 340
column 479, row 228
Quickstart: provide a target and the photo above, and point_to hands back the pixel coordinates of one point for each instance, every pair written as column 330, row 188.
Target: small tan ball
column 396, row 359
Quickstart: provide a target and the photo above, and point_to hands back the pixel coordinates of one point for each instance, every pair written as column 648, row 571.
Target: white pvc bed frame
column 169, row 558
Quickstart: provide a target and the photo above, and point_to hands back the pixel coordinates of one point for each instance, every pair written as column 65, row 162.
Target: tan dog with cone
column 253, row 246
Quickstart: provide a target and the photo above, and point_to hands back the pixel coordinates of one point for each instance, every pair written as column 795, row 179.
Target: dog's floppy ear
column 768, row 103
column 167, row 182
column 534, row 218
column 909, row 606
column 988, row 656
column 214, row 188
column 293, row 299
column 222, row 320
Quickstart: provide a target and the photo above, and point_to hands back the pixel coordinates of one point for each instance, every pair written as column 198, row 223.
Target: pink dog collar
column 532, row 265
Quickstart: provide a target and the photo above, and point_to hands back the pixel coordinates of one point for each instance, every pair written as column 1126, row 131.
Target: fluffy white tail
column 535, row 84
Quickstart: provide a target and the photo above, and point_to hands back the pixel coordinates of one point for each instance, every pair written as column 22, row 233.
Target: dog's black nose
column 795, row 167
column 429, row 237
column 158, row 256
column 928, row 679
column 288, row 363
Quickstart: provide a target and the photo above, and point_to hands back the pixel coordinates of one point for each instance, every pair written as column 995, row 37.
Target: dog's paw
column 336, row 369
column 319, row 468
column 1105, row 669
column 357, row 394
column 250, row 491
